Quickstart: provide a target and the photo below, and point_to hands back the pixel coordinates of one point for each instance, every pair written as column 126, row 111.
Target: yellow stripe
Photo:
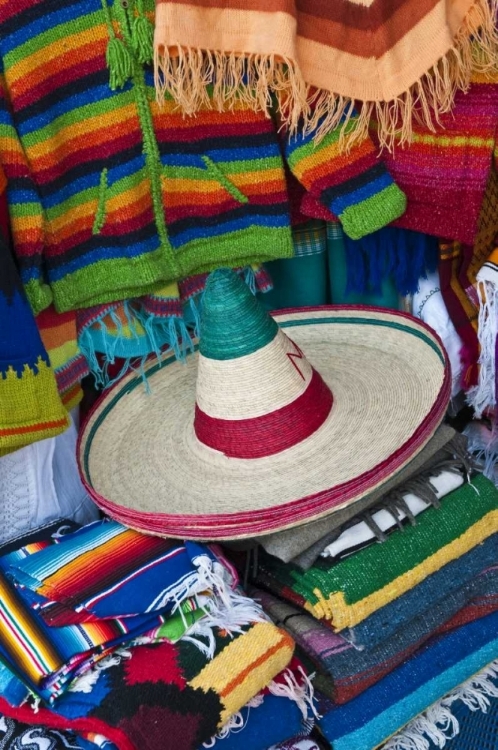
column 317, row 157
column 344, row 615
column 133, row 195
column 55, row 50
column 85, row 127
column 238, row 656
column 62, row 354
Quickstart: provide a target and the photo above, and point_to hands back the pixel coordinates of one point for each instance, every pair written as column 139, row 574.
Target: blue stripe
column 92, row 180
column 222, row 228
column 48, row 22
column 69, row 105
column 102, row 254
column 221, row 155
column 339, row 205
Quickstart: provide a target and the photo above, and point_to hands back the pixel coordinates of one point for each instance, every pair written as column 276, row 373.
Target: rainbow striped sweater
column 112, row 197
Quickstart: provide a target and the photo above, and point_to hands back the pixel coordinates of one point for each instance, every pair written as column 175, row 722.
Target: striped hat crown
column 256, row 394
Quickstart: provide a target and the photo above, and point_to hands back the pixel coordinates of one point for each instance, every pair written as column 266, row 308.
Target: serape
column 352, row 671
column 287, row 545
column 399, row 62
column 15, row 735
column 384, row 520
column 285, row 708
column 348, row 592
column 477, row 724
column 168, row 696
column 459, row 265
column 438, row 667
column 48, row 658
column 297, row 743
column 105, row 570
column 58, row 333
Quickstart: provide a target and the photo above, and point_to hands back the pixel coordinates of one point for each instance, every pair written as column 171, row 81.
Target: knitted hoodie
column 112, row 197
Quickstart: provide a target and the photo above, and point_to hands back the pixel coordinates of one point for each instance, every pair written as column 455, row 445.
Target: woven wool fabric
column 477, row 727
column 444, row 170
column 287, row 545
column 349, row 591
column 352, row 671
column 15, row 734
column 58, row 333
column 137, row 574
column 170, row 696
column 396, row 60
column 385, row 622
column 30, row 407
column 112, row 197
column 436, row 669
column 47, row 658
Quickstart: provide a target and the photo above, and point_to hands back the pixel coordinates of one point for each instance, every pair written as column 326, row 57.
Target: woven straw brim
column 142, row 463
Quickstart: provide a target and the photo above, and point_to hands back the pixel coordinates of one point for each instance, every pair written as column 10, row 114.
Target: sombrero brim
column 143, row 465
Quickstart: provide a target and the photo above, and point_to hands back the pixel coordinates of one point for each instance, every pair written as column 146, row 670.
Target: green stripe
column 234, row 324
column 378, row 565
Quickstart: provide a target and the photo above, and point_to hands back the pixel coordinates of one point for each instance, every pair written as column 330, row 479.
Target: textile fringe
column 86, row 682
column 288, row 687
column 483, row 396
column 475, row 51
column 438, row 724
column 483, row 444
column 187, row 74
column 197, row 78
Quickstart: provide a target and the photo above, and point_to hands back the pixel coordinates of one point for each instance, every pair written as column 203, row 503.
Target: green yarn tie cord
column 218, row 175
column 142, row 36
column 118, row 57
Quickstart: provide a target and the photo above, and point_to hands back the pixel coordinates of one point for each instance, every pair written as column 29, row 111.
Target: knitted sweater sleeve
column 25, row 208
column 352, row 184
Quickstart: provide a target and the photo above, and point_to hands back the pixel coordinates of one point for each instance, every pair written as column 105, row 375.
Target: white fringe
column 87, row 681
column 482, row 396
column 483, row 444
column 438, row 724
column 303, row 695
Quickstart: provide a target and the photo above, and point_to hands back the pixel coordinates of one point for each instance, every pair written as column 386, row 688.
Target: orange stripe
column 57, row 335
column 285, row 642
column 33, row 428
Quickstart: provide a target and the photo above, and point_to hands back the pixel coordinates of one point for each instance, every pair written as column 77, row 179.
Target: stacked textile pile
column 105, row 631
column 382, row 607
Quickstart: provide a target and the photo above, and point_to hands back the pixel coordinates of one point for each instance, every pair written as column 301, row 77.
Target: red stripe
column 272, row 433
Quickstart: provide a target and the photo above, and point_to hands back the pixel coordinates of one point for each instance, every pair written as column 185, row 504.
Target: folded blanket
column 465, row 719
column 438, row 667
column 283, row 709
column 353, row 671
column 286, row 545
column 139, row 583
column 166, row 696
column 15, row 735
column 411, row 501
column 106, row 570
column 348, row 592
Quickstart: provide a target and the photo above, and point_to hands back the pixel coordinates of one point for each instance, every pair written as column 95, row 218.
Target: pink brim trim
column 252, row 523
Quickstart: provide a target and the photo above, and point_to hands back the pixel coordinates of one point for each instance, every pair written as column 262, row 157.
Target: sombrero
column 272, row 422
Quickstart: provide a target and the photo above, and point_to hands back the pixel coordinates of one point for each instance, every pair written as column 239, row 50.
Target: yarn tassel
column 142, row 37
column 400, row 254
column 119, row 62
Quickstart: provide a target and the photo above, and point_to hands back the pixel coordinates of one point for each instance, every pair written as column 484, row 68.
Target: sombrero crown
column 247, row 436
column 257, row 394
